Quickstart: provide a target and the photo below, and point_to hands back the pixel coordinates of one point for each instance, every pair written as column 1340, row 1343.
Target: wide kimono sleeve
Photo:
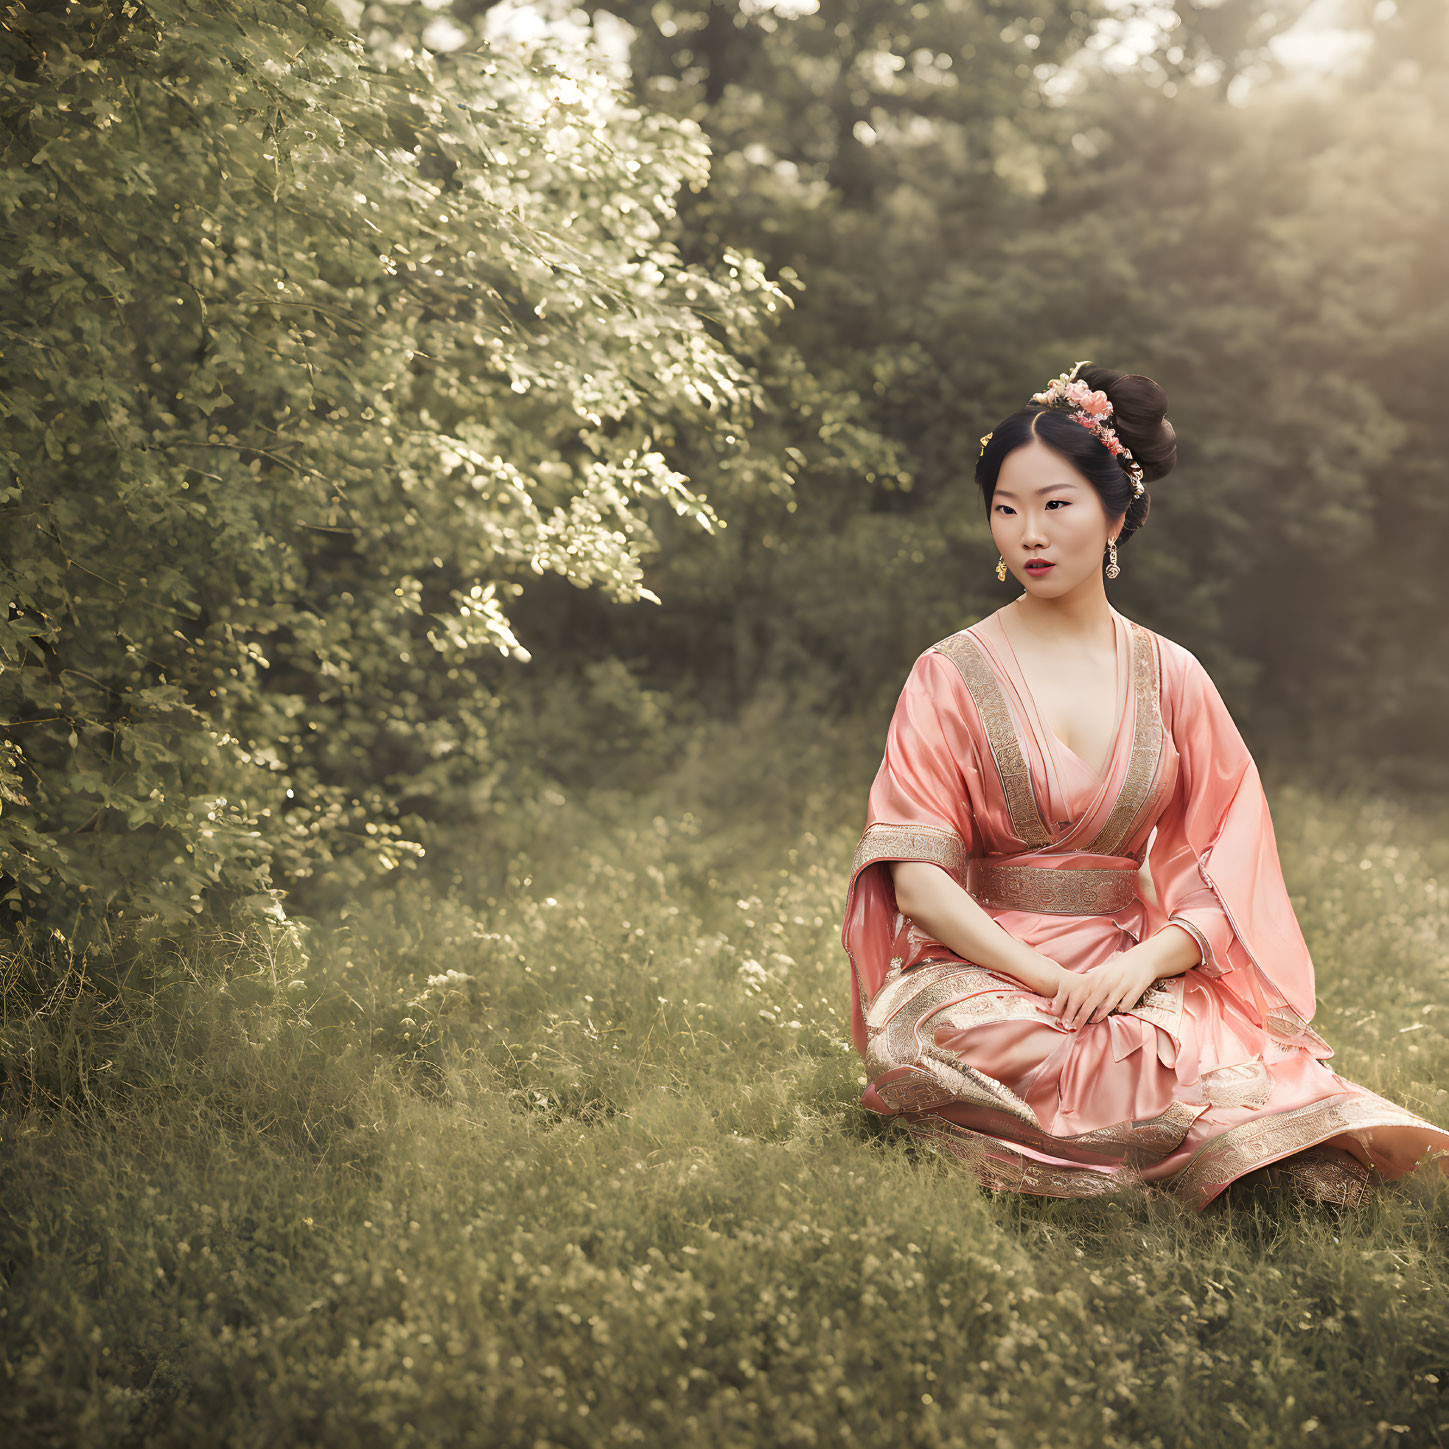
column 1215, row 867
column 920, row 807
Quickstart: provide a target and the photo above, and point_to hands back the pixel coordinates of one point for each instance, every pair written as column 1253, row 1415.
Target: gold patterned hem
column 911, row 1073
column 1000, row 1167
column 1137, row 1142
column 1317, row 1174
column 1241, row 1149
column 885, row 841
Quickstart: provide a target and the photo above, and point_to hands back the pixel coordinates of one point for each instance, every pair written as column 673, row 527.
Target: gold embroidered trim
column 934, row 984
column 998, row 1166
column 1245, row 1084
column 1285, row 1023
column 964, row 651
column 909, row 842
column 1161, row 1004
column 912, row 1074
column 1147, row 740
column 990, row 1002
column 1240, row 1149
column 1137, row 1142
column 1318, row 1174
column 1142, row 1140
column 1063, row 891
column 1288, row 1031
column 1321, row 1174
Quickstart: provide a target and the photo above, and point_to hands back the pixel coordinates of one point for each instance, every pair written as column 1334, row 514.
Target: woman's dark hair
column 1139, row 409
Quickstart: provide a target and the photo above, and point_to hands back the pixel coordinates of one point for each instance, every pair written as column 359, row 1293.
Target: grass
column 584, row 1165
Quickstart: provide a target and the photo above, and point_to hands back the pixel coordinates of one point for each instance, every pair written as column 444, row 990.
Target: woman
column 1020, row 1003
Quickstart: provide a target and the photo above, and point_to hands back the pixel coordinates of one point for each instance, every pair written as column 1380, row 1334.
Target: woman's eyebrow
column 1045, row 488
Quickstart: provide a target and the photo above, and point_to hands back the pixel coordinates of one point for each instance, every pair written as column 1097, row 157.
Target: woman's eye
column 1056, row 500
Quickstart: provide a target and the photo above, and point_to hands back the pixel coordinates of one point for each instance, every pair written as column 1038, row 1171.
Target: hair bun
column 1139, row 416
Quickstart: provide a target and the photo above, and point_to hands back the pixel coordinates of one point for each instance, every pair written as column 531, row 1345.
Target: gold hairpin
column 986, row 440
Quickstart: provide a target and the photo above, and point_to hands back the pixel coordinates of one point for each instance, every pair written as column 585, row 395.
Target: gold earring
column 1112, row 569
column 1001, row 568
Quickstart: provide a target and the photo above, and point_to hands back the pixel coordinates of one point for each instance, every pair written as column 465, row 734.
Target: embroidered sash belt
column 1071, row 891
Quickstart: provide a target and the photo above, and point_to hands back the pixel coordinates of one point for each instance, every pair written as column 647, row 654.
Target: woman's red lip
column 1041, row 566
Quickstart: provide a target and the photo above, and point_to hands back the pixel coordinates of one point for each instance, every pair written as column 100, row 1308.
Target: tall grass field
column 562, row 1148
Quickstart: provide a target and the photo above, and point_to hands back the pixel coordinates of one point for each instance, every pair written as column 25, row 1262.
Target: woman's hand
column 1087, row 996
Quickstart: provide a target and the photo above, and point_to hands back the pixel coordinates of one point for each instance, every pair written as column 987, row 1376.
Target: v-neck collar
column 1118, row 693
column 1010, row 673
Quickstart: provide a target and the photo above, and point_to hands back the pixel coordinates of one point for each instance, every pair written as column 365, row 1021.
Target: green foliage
column 314, row 351
column 877, row 153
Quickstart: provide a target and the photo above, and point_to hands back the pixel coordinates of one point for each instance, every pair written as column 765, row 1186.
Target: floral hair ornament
column 1092, row 409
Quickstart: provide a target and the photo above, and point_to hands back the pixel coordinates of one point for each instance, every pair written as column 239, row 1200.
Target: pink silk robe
column 1210, row 1074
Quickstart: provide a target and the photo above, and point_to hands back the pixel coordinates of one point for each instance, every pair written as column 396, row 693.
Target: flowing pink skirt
column 1183, row 1092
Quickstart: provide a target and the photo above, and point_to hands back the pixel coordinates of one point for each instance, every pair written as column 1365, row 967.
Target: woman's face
column 1043, row 510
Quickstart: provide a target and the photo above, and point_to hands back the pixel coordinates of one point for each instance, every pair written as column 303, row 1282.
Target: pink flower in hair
column 1091, row 408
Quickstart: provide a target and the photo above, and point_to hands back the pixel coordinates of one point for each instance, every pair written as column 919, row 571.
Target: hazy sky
column 1325, row 36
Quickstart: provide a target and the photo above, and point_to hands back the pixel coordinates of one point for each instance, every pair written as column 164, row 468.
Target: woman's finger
column 1103, row 1007
column 1083, row 1012
column 1074, row 1009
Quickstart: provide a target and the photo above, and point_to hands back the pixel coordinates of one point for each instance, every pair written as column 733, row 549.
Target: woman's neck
column 1084, row 616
